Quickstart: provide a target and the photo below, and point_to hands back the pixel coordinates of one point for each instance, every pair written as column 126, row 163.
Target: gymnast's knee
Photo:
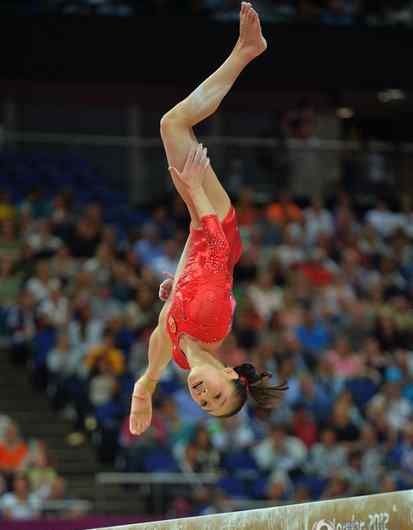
column 172, row 122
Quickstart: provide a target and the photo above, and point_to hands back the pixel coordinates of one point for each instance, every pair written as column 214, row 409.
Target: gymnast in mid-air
column 199, row 305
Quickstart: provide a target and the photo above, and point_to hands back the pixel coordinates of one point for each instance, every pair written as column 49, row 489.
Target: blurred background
column 314, row 144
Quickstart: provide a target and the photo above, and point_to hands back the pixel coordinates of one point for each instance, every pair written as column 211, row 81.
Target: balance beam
column 386, row 511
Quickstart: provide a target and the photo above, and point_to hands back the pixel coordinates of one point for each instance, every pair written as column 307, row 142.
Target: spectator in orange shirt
column 284, row 211
column 14, row 451
column 108, row 352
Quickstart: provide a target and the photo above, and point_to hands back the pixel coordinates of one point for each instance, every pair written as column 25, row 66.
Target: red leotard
column 203, row 306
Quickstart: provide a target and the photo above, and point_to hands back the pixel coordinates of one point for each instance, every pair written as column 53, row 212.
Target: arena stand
column 324, row 301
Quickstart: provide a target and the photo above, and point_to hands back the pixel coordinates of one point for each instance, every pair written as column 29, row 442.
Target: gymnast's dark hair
column 251, row 383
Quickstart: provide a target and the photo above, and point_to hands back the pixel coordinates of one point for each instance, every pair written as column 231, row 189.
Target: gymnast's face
column 213, row 389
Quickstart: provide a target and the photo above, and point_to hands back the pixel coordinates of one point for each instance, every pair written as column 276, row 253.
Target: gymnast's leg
column 176, row 125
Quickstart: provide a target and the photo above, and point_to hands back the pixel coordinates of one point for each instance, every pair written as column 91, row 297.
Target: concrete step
column 18, row 402
column 33, row 413
column 79, row 454
column 77, row 468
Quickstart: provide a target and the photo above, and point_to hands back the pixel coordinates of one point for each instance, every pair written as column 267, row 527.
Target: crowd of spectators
column 324, row 301
column 326, row 12
column 28, row 477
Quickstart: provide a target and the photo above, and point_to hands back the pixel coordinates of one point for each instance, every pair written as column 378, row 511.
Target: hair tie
column 243, row 380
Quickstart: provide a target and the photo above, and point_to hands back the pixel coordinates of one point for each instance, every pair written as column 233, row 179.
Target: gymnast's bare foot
column 251, row 42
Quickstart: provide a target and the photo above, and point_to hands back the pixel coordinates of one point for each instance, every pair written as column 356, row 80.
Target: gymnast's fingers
column 198, row 155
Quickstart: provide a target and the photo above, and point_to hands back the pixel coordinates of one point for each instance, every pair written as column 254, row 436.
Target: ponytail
column 256, row 385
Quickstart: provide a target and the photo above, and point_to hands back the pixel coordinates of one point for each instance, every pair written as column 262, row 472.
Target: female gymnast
column 197, row 314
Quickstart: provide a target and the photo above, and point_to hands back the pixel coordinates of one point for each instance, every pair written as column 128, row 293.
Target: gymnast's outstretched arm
column 192, row 178
column 159, row 355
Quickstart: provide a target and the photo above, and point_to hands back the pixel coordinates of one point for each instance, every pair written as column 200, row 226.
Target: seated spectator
column 100, row 265
column 103, row 384
column 383, row 219
column 315, row 399
column 318, row 220
column 63, row 266
column 233, row 434
column 284, row 211
column 346, row 430
column 41, row 473
column 280, row 451
column 107, row 352
column 303, row 426
column 104, row 306
column 5, row 421
column 10, row 242
column 41, row 283
column 344, row 362
column 326, row 457
column 123, row 281
column 396, row 409
column 36, row 204
column 336, row 298
column 61, row 218
column 318, row 268
column 325, row 378
column 372, row 456
column 313, row 334
column 41, row 239
column 84, row 239
column 149, row 245
column 10, row 282
column 290, row 251
column 199, row 455
column 21, row 327
column 20, row 503
column 66, row 381
column 142, row 312
column 168, row 261
column 265, row 296
column 14, row 451
column 84, row 330
column 338, row 486
column 55, row 307
column 279, row 487
column 43, row 342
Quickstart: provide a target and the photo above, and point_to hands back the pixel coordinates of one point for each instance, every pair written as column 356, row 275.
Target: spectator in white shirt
column 20, row 504
column 383, row 220
column 41, row 284
column 318, row 221
column 56, row 307
column 279, row 451
column 168, row 261
column 326, row 456
column 265, row 296
column 41, row 240
column 398, row 411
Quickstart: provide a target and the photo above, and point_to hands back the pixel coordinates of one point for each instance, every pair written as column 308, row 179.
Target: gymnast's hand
column 195, row 167
column 166, row 287
column 141, row 408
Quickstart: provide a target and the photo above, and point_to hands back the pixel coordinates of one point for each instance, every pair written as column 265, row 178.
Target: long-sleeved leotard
column 202, row 306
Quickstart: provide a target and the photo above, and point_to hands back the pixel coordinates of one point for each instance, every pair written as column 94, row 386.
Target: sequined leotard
column 202, row 305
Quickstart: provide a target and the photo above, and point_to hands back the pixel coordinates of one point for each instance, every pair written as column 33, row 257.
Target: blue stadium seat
column 239, row 461
column 362, row 390
column 233, row 487
column 160, row 460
